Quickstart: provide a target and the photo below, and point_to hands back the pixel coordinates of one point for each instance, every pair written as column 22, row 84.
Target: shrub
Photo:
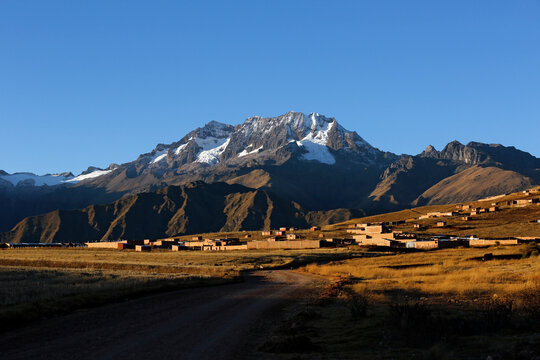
column 290, row 344
column 496, row 314
column 358, row 305
column 410, row 317
column 414, row 322
column 532, row 249
column 529, row 301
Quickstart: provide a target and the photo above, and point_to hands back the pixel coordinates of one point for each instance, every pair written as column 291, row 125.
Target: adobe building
column 337, row 242
column 423, row 244
column 492, row 242
column 520, row 202
column 143, row 248
column 284, row 244
column 105, row 244
column 380, row 235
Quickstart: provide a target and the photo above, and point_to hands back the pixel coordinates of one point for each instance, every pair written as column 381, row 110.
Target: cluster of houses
column 381, row 235
column 39, row 245
column 174, row 244
column 368, row 234
column 284, row 238
column 521, row 202
column 467, row 211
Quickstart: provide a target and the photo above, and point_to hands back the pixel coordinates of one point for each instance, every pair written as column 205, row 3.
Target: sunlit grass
column 440, row 273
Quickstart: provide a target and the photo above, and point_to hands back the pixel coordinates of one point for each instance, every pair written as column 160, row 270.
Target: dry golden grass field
column 446, row 304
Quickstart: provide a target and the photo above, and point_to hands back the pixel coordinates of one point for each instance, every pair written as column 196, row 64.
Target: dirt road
column 223, row 322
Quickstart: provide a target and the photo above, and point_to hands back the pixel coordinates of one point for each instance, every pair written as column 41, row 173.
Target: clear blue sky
column 94, row 82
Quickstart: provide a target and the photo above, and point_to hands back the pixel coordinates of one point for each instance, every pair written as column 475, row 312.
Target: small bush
column 289, row 344
column 438, row 351
column 532, row 249
column 529, row 301
column 410, row 317
column 496, row 314
column 414, row 323
column 358, row 305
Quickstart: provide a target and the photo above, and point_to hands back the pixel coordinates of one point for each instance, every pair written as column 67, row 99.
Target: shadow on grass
column 16, row 316
column 419, row 325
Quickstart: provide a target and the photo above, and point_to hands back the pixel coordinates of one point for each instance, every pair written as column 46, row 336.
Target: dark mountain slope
column 193, row 208
column 19, row 202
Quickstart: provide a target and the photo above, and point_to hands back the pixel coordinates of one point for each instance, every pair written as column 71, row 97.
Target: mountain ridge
column 174, row 210
column 306, row 158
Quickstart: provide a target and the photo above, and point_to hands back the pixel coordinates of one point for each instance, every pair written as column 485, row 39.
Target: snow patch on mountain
column 159, row 155
column 246, row 152
column 92, row 175
column 212, row 148
column 179, row 149
column 318, row 153
column 36, row 180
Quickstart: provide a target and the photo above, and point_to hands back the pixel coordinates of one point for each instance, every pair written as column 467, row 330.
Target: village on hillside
column 380, row 234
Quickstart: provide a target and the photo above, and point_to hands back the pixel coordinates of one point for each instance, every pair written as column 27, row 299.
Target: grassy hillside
column 508, row 222
column 472, row 183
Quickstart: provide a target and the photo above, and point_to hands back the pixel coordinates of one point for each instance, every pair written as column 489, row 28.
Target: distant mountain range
column 307, row 159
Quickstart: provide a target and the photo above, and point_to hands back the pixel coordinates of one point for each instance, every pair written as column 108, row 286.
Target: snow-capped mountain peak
column 258, row 140
column 318, row 136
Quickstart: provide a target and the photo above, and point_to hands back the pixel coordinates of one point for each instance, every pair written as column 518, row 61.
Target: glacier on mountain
column 212, row 148
column 36, row 180
column 315, row 143
column 26, row 178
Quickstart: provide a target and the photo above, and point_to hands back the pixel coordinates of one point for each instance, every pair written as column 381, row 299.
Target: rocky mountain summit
column 475, row 153
column 310, row 137
column 456, row 173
